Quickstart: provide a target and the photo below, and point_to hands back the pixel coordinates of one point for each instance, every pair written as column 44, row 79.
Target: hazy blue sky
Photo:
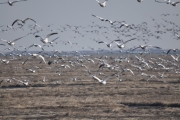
column 79, row 13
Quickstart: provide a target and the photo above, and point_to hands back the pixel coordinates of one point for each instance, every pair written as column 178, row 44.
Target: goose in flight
column 46, row 40
column 33, row 71
column 175, row 58
column 36, row 45
column 125, row 25
column 169, row 2
column 123, row 44
column 12, row 43
column 23, row 21
column 11, row 3
column 100, row 18
column 174, row 50
column 178, row 37
column 110, row 21
column 145, row 46
column 52, row 41
column 108, row 44
column 149, row 76
column 174, row 3
column 35, row 56
column 103, row 4
column 130, row 71
column 102, row 81
column 165, row 1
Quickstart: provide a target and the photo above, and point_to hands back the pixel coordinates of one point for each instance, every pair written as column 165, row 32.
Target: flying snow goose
column 46, row 40
column 12, row 43
column 11, row 3
column 23, row 21
column 103, row 4
column 35, row 56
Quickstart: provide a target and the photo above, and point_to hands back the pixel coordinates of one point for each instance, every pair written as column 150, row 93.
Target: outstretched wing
column 20, row 38
column 39, row 36
column 54, row 39
column 42, row 58
column 3, row 40
column 159, row 1
column 173, row 57
column 176, row 3
column 16, row 21
column 130, row 71
column 156, row 47
column 18, row 1
column 169, row 51
column 29, row 19
column 50, row 34
column 4, row 3
column 129, row 40
column 25, row 61
column 97, row 1
column 96, row 78
column 135, row 48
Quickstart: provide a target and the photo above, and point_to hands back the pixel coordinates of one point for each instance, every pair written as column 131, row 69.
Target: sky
column 60, row 13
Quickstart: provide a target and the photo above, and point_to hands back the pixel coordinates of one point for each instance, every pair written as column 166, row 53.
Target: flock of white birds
column 99, row 64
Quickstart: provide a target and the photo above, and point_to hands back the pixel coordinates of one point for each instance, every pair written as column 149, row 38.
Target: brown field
column 61, row 98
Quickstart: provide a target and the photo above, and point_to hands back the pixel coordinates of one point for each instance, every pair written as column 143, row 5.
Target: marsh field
column 53, row 93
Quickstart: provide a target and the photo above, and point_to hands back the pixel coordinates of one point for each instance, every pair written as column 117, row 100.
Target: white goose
column 12, row 3
column 175, row 58
column 123, row 44
column 12, row 43
column 103, row 4
column 46, row 40
column 23, row 21
column 35, row 56
column 174, row 3
column 103, row 81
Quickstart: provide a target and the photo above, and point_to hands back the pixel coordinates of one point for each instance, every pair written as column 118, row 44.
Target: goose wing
column 18, row 1
column 26, row 60
column 108, row 77
column 160, row 1
column 54, row 39
column 129, row 40
column 96, row 78
column 135, row 48
column 29, row 19
column 130, row 71
column 16, row 21
column 4, row 3
column 168, row 51
column 3, row 40
column 40, row 56
column 39, row 36
column 175, row 3
column 51, row 34
column 19, row 38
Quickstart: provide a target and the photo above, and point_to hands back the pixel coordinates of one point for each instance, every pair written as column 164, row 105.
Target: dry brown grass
column 131, row 99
